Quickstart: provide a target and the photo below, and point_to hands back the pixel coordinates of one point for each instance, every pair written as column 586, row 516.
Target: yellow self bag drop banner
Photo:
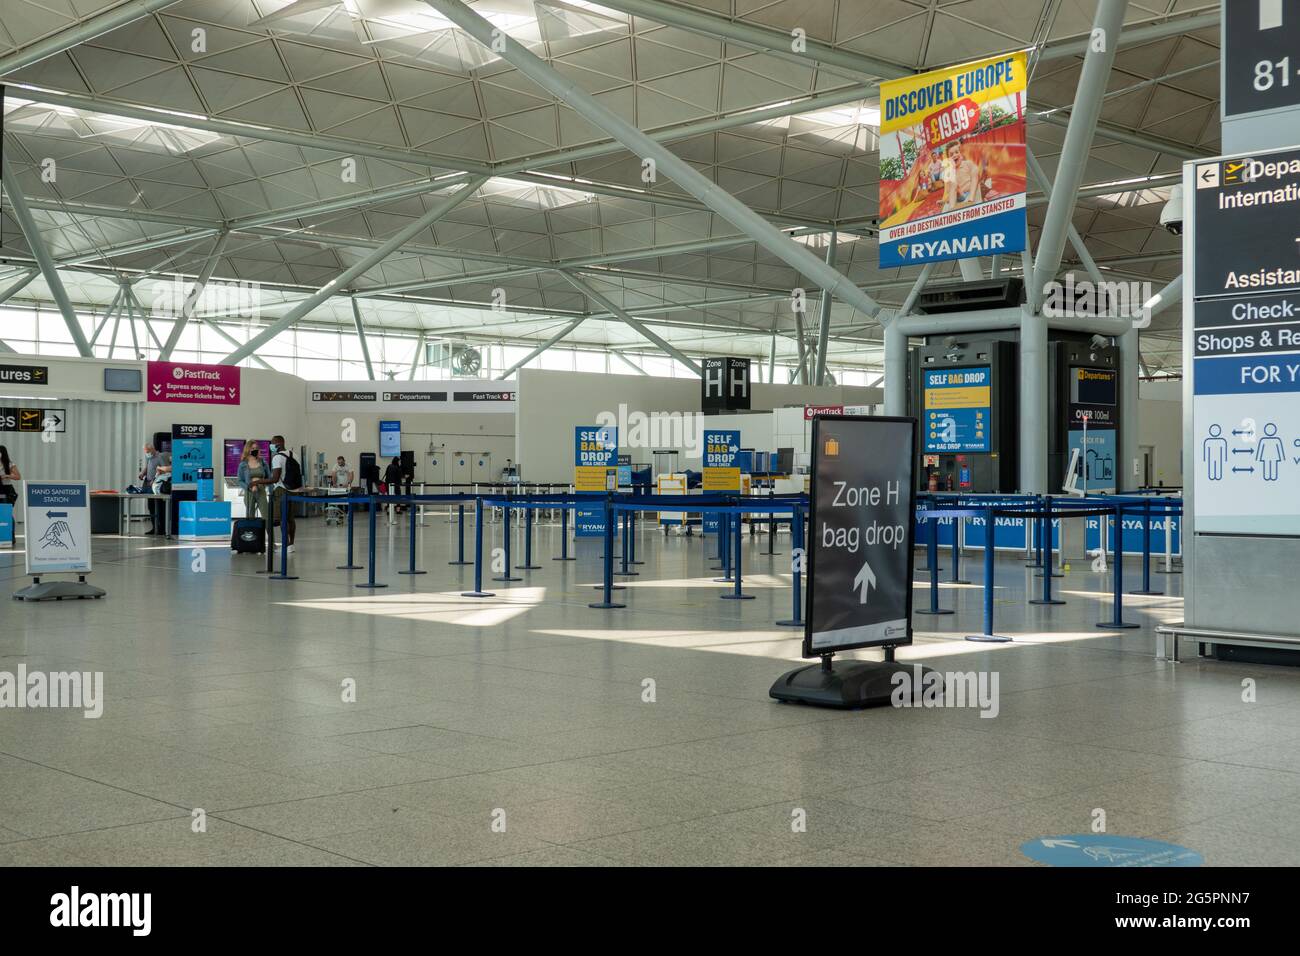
column 952, row 162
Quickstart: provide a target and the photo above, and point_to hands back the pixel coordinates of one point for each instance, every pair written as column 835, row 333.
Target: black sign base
column 59, row 591
column 846, row 684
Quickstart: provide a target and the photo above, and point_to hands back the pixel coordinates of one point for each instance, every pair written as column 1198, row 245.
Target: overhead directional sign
column 1248, row 221
column 1261, row 56
column 860, row 552
column 1245, row 344
column 57, row 521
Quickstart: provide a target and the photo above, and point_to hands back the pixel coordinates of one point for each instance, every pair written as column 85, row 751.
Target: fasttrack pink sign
column 195, row 384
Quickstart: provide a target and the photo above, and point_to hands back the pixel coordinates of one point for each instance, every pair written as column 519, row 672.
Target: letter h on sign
column 724, row 385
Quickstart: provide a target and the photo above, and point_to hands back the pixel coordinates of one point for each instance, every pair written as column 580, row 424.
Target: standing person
column 253, row 472
column 393, row 482
column 9, row 474
column 153, row 460
column 343, row 475
column 285, row 479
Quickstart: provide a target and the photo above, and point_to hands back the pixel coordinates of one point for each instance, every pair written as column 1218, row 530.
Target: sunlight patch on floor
column 446, row 608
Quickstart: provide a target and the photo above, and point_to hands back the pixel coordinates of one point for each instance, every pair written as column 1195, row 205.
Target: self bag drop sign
column 952, row 163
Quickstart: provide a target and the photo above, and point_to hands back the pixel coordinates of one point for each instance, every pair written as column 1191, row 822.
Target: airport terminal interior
column 649, row 433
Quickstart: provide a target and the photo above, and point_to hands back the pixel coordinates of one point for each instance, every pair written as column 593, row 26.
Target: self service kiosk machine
column 965, row 396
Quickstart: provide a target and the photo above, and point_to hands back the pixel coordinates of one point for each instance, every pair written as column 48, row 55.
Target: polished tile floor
column 529, row 729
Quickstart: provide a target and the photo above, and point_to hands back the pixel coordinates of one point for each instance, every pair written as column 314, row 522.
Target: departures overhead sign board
column 953, row 162
column 1245, row 447
column 860, row 547
column 1261, row 56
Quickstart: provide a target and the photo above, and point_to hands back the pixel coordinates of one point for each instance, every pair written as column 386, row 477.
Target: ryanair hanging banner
column 952, row 163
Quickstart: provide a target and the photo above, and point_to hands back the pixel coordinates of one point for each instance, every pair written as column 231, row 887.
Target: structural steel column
column 627, row 317
column 191, row 303
column 917, row 288
column 41, row 254
column 1076, row 241
column 211, row 323
column 824, row 332
column 1088, row 101
column 18, row 286
column 445, row 205
column 801, row 340
column 1130, row 358
column 895, row 369
column 415, row 360
column 1033, row 402
column 361, row 337
column 541, row 348
column 721, row 202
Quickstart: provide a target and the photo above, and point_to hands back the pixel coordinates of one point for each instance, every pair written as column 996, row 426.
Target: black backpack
column 291, row 473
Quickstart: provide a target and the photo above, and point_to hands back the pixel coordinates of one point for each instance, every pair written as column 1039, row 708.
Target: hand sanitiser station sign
column 859, row 559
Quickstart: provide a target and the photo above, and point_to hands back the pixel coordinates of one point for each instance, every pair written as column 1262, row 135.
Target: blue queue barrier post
column 1045, row 540
column 927, row 502
column 284, row 575
column 988, row 637
column 370, row 547
column 624, row 545
column 528, row 542
column 958, row 526
column 607, row 586
column 505, row 574
column 411, row 509
column 736, row 593
column 796, row 567
column 1146, row 550
column 564, row 535
column 771, row 530
column 1117, row 621
column 460, row 535
column 1035, row 546
column 932, row 549
column 724, row 555
column 478, row 591
column 351, row 565
column 631, row 546
column 724, row 540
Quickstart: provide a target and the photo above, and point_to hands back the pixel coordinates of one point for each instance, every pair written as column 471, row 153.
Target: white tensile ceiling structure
column 201, row 120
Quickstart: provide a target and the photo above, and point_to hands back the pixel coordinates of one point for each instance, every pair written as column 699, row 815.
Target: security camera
column 1100, row 341
column 1171, row 216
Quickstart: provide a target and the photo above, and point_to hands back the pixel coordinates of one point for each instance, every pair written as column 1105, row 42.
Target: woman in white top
column 9, row 475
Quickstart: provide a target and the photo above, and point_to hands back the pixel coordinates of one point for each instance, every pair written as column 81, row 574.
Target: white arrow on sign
column 1270, row 14
column 866, row 580
column 1055, row 843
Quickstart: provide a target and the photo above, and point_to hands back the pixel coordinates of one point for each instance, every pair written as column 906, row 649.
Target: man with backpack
column 286, row 479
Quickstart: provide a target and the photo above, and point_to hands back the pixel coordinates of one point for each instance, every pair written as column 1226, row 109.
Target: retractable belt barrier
column 931, row 507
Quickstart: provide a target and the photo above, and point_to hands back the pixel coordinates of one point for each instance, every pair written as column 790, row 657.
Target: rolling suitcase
column 249, row 536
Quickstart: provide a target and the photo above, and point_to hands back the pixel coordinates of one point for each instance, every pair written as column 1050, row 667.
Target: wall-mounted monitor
column 123, row 380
